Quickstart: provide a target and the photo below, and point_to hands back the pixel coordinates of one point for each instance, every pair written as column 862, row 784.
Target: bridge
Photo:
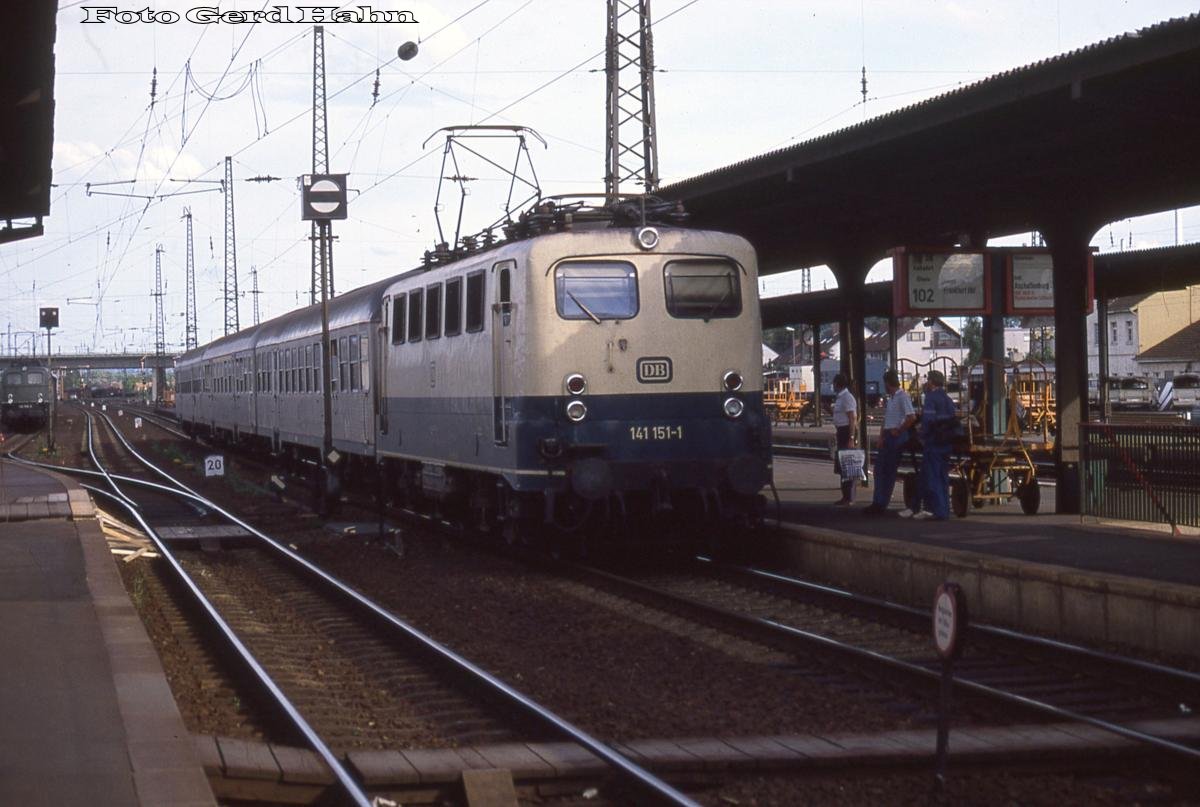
column 102, row 361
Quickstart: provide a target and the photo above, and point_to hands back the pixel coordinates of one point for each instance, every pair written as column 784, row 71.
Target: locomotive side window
column 414, row 315
column 704, row 289
column 398, row 311
column 454, row 307
column 433, row 311
column 475, row 301
column 596, row 290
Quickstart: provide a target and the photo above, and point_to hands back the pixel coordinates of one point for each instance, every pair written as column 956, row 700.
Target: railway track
column 1029, row 673
column 330, row 627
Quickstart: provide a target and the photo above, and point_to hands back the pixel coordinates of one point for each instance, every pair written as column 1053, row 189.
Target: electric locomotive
column 596, row 375
column 26, row 395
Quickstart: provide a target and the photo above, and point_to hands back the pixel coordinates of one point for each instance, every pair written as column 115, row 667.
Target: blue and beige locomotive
column 594, row 375
column 26, row 395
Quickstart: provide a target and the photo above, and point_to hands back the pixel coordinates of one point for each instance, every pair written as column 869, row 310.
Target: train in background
column 589, row 374
column 26, row 395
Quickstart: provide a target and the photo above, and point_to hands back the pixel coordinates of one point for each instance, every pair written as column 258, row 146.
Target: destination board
column 933, row 282
column 1029, row 282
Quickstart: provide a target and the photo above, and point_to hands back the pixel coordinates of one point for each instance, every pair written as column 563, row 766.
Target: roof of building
column 1183, row 345
column 1125, row 302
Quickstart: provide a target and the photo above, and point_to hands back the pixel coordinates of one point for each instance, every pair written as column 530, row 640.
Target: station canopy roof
column 26, row 116
column 1097, row 134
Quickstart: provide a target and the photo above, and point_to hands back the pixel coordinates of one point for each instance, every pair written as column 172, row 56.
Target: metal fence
column 1142, row 472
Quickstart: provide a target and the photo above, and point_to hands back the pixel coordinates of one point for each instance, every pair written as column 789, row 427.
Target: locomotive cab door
column 502, row 352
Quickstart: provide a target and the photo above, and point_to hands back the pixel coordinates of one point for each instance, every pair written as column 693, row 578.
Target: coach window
column 333, row 365
column 476, row 304
column 308, row 368
column 353, row 362
column 433, row 311
column 454, row 307
column 702, row 289
column 416, row 299
column 364, row 363
column 343, row 365
column 316, row 348
column 398, row 311
column 596, row 290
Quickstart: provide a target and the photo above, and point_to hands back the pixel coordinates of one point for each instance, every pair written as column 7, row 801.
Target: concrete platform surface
column 29, row 493
column 1130, row 583
column 86, row 715
column 808, row 489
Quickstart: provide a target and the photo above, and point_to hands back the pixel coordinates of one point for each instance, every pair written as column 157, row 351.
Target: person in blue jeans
column 898, row 418
column 938, row 416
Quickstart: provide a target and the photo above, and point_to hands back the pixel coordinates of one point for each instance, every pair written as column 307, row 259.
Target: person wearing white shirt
column 845, row 420
column 897, row 420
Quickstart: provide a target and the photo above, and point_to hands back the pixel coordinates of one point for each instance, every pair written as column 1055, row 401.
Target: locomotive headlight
column 40, row 399
column 732, row 381
column 576, row 384
column 734, row 408
column 576, row 410
column 10, row 397
column 647, row 238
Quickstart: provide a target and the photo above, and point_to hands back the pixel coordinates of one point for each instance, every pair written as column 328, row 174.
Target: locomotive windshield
column 702, row 289
column 596, row 290
column 34, row 378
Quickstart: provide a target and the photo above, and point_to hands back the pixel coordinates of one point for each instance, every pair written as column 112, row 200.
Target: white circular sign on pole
column 949, row 619
column 214, row 465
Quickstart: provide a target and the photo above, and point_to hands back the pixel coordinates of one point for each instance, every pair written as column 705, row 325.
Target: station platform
column 1124, row 583
column 86, row 714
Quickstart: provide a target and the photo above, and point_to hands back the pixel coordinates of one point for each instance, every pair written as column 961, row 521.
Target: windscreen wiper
column 584, row 308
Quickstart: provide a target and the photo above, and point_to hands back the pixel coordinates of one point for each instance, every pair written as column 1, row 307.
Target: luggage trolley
column 998, row 468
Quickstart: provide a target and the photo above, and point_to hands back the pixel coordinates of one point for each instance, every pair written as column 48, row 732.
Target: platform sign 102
column 214, row 465
column 940, row 282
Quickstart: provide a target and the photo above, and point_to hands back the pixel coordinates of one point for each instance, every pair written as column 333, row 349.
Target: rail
column 1141, row 473
column 625, row 768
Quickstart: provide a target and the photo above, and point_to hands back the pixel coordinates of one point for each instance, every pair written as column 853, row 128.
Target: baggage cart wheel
column 960, row 497
column 1030, row 496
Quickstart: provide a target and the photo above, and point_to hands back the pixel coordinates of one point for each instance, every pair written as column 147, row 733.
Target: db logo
column 654, row 370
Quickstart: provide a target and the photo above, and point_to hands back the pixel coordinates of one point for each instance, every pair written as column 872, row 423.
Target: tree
column 972, row 335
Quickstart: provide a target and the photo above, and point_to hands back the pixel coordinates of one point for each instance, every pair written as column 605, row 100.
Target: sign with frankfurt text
column 934, row 282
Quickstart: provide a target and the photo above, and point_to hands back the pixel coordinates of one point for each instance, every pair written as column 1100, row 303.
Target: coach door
column 502, row 351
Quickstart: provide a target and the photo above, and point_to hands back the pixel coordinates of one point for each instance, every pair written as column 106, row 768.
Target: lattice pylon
column 320, row 165
column 631, row 144
column 231, row 280
column 190, row 332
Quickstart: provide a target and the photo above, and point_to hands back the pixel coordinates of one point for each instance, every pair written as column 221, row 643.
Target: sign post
column 48, row 318
column 323, row 199
column 949, row 626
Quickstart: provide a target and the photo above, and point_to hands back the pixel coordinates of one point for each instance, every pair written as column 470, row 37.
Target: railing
column 1141, row 472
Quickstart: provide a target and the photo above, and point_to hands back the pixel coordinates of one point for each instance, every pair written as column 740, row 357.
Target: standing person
column 845, row 420
column 938, row 419
column 897, row 420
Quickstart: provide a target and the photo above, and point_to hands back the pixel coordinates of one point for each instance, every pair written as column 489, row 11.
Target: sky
column 733, row 80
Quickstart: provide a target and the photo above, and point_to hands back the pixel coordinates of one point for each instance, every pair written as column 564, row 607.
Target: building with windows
column 1147, row 334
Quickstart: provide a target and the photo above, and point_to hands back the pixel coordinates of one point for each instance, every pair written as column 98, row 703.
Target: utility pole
column 190, row 340
column 254, row 292
column 231, row 289
column 631, row 150
column 322, row 245
column 160, row 337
